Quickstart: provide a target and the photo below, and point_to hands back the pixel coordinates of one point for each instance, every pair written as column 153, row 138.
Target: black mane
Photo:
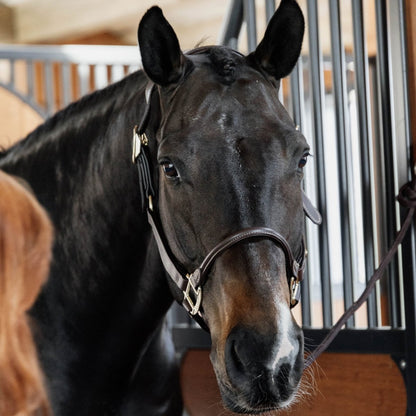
column 66, row 162
column 76, row 116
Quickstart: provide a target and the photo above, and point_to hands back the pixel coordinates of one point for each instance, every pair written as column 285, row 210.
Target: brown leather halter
column 190, row 285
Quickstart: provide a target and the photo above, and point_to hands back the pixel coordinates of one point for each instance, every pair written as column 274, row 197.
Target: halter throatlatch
column 190, row 285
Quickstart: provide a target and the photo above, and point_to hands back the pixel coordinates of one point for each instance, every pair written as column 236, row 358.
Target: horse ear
column 280, row 48
column 162, row 58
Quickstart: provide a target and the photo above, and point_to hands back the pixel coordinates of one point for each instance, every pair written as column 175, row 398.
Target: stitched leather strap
column 246, row 234
column 168, row 264
column 191, row 285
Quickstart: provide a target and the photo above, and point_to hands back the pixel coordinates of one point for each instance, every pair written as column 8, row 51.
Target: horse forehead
column 248, row 103
column 205, row 106
column 216, row 118
column 247, row 93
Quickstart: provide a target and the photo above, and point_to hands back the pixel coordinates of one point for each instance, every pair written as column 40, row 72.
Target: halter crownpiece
column 190, row 285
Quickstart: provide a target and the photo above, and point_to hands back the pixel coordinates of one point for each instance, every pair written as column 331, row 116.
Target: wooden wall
column 341, row 385
column 16, row 118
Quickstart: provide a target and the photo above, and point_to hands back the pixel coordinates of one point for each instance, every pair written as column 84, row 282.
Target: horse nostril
column 238, row 364
column 282, row 381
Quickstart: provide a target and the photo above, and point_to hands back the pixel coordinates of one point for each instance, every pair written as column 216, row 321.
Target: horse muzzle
column 260, row 372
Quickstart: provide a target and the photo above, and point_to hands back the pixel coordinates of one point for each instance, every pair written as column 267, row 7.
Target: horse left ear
column 162, row 58
column 280, row 48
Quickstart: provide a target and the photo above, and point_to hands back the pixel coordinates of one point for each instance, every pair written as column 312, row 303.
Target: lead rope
column 407, row 198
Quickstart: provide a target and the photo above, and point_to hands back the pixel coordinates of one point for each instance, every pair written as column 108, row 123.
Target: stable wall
column 337, row 385
column 16, row 118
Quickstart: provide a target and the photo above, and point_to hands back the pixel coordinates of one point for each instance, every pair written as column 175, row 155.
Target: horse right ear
column 162, row 58
column 280, row 48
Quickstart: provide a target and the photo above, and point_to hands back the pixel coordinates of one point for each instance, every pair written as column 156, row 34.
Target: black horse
column 222, row 155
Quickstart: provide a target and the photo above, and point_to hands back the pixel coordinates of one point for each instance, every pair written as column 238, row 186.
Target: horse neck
column 79, row 166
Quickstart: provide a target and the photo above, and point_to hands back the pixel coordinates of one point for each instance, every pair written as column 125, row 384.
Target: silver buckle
column 294, row 291
column 138, row 141
column 195, row 303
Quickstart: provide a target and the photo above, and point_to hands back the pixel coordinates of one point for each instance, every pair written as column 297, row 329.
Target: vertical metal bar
column 84, row 78
column 12, row 72
column 67, row 85
column 270, row 8
column 117, row 73
column 296, row 91
column 234, row 21
column 296, row 87
column 317, row 94
column 100, row 76
column 49, row 87
column 30, row 80
column 399, row 118
column 341, row 117
column 409, row 244
column 384, row 88
column 361, row 79
column 379, row 183
column 250, row 18
column 406, row 101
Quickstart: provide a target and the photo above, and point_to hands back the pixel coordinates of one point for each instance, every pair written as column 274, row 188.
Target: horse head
column 228, row 157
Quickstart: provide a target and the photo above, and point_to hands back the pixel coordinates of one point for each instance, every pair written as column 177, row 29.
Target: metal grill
column 48, row 78
column 348, row 94
column 353, row 112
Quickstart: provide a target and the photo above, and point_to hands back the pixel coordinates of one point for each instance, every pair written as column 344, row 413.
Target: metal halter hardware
column 190, row 285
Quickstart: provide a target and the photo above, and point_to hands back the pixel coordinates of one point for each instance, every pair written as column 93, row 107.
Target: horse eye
column 303, row 160
column 169, row 170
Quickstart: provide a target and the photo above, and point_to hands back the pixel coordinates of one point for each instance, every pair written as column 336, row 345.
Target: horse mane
column 25, row 244
column 68, row 155
column 224, row 61
column 76, row 115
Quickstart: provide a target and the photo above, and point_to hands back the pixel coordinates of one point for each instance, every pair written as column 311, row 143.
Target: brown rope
column 407, row 198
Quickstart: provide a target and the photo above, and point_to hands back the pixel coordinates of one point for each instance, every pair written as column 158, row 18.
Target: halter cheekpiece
column 190, row 285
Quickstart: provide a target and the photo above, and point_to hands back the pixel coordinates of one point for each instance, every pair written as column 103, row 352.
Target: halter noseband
column 190, row 284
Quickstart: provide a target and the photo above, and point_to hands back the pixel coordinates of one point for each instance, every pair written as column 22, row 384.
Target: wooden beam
column 6, row 24
column 339, row 384
column 40, row 21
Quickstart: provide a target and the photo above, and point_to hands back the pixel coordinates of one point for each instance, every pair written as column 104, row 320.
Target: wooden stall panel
column 342, row 385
